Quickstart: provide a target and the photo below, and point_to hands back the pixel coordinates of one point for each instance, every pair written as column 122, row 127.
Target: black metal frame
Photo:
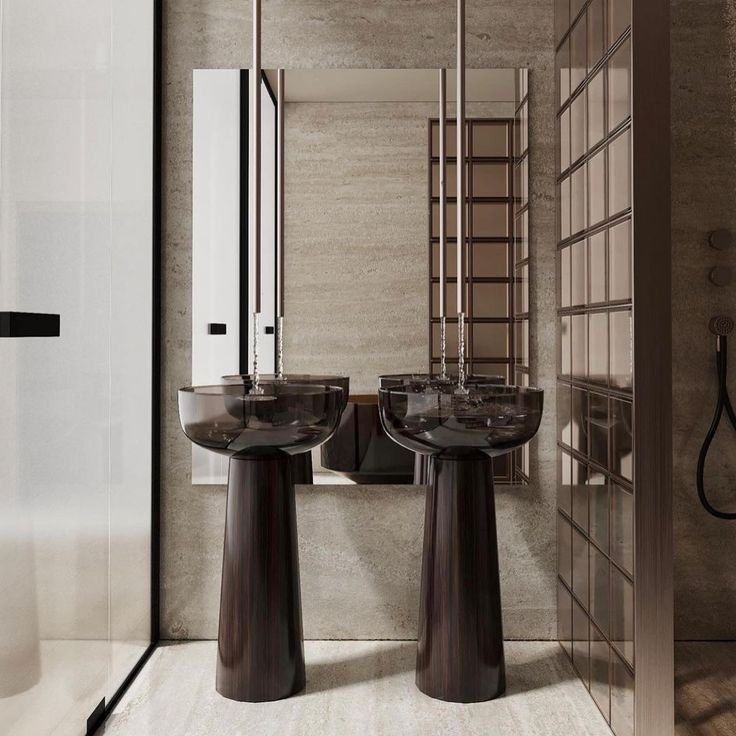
column 100, row 714
column 244, row 310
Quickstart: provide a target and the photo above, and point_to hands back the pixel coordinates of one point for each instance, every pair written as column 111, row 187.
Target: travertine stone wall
column 703, row 196
column 369, row 534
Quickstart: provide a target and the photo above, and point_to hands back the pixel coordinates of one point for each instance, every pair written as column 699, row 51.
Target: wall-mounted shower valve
column 721, row 239
column 721, row 275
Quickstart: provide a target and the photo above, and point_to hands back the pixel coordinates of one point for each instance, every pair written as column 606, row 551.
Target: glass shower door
column 75, row 385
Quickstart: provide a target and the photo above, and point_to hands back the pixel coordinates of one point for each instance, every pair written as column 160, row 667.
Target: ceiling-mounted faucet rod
column 460, row 167
column 256, row 150
column 460, row 199
column 443, row 222
column 443, row 189
column 280, row 196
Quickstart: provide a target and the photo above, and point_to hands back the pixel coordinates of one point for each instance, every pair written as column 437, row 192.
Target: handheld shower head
column 721, row 325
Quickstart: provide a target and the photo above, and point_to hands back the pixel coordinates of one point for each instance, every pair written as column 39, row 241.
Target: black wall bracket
column 29, row 324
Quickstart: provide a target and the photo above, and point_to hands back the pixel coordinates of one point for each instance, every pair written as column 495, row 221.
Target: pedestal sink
column 460, row 644
column 302, row 471
column 421, row 462
column 260, row 653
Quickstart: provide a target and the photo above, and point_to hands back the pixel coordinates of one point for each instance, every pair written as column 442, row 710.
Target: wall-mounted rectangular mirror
column 361, row 227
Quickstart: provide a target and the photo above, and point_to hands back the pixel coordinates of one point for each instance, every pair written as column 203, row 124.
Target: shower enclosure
column 78, row 407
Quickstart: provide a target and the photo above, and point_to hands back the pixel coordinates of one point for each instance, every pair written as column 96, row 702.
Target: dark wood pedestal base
column 260, row 654
column 301, row 469
column 460, row 650
column 421, row 469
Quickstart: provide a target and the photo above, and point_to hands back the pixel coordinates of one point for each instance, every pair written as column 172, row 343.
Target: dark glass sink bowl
column 287, row 416
column 431, row 417
column 306, row 379
column 420, row 379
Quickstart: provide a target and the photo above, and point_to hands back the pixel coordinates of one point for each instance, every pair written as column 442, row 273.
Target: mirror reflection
column 361, row 213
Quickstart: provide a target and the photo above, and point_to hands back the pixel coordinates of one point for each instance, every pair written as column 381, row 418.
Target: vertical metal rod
column 256, row 149
column 443, row 190
column 280, row 226
column 280, row 195
column 460, row 104
column 460, row 206
column 256, row 154
column 443, row 223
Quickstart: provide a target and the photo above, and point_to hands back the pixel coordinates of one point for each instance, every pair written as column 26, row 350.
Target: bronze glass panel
column 598, row 427
column 580, row 566
column 579, row 273
column 619, row 85
column 621, row 349
column 622, row 612
column 489, row 260
column 490, row 180
column 597, row 188
column 579, row 491
column 596, row 109
column 619, row 268
column 619, row 19
column 522, row 236
column 578, row 202
column 521, row 289
column 622, row 527
column 599, row 508
column 490, row 300
column 490, row 220
column 619, row 174
column 579, row 420
column 595, row 33
column 597, row 269
column 575, row 7
column 490, row 139
column 565, row 280
column 577, row 128
column 599, row 589
column 600, row 672
column 564, row 408
column 622, row 698
column 563, row 125
column 579, row 324
column 621, row 438
column 564, row 214
column 564, row 482
column 564, row 618
column 578, row 53
column 565, row 346
column 581, row 641
column 564, row 549
column 562, row 65
column 491, row 340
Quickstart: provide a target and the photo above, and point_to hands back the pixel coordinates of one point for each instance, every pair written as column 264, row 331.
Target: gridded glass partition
column 521, row 259
column 489, row 284
column 594, row 392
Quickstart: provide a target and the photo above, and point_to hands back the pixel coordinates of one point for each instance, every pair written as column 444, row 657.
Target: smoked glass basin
column 308, row 379
column 228, row 419
column 430, row 417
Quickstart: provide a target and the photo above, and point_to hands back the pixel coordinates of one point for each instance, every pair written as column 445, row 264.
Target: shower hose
column 724, row 402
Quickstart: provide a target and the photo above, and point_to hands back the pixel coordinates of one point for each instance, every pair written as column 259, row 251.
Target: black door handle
column 29, row 324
